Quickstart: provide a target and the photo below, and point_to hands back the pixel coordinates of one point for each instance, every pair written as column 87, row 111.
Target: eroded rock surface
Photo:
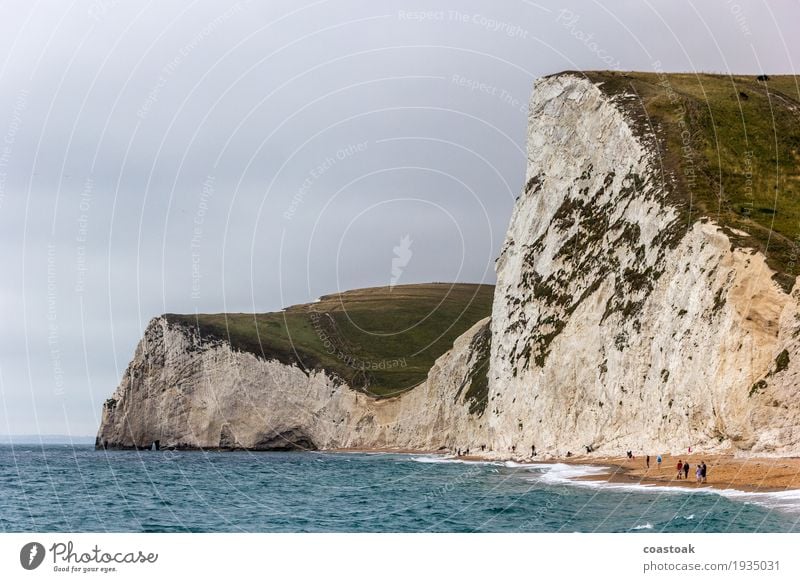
column 188, row 393
column 617, row 325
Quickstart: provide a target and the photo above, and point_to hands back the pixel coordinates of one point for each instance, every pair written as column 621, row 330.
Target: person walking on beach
column 704, row 472
column 686, row 470
column 647, row 461
column 658, row 462
column 698, row 473
column 680, row 469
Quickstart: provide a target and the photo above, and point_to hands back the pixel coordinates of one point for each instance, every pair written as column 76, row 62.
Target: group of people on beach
column 465, row 452
column 700, row 471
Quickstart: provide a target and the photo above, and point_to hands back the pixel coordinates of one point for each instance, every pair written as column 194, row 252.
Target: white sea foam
column 561, row 473
column 784, row 500
column 515, row 464
column 647, row 525
column 431, row 459
column 449, row 459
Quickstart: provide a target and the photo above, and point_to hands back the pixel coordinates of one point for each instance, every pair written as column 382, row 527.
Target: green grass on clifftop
column 731, row 144
column 381, row 341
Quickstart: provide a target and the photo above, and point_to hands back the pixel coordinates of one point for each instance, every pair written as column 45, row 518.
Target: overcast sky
column 210, row 156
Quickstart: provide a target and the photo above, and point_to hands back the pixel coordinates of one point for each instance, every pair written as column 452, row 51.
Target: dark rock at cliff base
column 288, row 440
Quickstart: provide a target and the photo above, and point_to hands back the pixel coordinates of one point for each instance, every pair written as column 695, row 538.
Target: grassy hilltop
column 381, row 341
column 731, row 147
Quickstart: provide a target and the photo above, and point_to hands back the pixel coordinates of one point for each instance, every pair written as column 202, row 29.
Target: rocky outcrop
column 618, row 324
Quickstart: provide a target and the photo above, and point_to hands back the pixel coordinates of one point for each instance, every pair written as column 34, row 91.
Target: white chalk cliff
column 616, row 325
column 188, row 393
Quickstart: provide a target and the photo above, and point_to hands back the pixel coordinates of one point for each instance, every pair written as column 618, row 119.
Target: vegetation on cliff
column 382, row 341
column 729, row 150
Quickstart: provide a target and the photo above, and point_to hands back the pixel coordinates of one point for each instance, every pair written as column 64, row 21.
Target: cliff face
column 616, row 323
column 187, row 393
column 620, row 322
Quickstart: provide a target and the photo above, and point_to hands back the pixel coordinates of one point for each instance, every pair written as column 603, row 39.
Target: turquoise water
column 62, row 488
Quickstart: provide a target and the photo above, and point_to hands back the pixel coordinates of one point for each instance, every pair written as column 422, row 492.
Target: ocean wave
column 515, row 464
column 563, row 473
column 788, row 500
column 647, row 525
column 449, row 459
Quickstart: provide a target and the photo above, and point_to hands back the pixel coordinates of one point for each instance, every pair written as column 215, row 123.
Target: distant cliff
column 222, row 383
column 645, row 300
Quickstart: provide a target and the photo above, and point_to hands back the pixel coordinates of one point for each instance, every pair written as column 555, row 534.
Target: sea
column 74, row 488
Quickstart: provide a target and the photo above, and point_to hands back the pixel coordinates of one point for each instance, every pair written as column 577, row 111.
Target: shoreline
column 725, row 471
column 384, row 451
